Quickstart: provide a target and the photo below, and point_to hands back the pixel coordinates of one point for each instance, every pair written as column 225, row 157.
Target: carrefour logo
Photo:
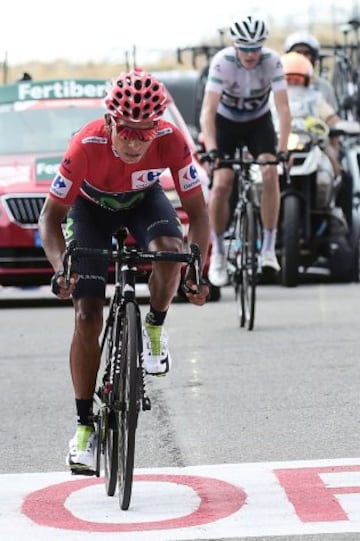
column 61, row 90
column 143, row 179
column 46, row 168
column 188, row 177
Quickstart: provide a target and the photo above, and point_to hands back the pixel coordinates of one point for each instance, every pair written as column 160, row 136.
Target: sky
column 85, row 30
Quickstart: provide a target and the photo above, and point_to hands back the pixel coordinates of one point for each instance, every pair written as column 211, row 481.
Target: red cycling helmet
column 137, row 97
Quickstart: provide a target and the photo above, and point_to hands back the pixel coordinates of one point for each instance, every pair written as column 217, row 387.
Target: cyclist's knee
column 221, row 192
column 168, row 244
column 89, row 316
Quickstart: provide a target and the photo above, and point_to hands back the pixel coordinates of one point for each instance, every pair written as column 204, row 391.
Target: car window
column 42, row 130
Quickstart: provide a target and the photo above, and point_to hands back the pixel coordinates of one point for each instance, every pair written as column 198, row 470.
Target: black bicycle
column 346, row 71
column 121, row 394
column 244, row 234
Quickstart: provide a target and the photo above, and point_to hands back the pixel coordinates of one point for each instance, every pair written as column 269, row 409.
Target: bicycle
column 121, row 394
column 346, row 72
column 244, row 234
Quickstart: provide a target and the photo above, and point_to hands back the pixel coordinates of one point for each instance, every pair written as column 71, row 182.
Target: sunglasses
column 141, row 134
column 250, row 49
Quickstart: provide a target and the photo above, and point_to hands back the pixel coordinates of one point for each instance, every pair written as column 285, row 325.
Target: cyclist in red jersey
column 109, row 177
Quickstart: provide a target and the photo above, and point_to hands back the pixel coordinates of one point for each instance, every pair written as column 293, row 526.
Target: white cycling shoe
column 268, row 260
column 157, row 358
column 217, row 273
column 82, row 451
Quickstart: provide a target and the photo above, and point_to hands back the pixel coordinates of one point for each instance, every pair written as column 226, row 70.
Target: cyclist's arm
column 50, row 227
column 283, row 110
column 207, row 118
column 51, row 217
column 199, row 232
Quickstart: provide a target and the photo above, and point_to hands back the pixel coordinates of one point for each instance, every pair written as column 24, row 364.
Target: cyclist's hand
column 58, row 285
column 196, row 298
column 283, row 156
column 210, row 159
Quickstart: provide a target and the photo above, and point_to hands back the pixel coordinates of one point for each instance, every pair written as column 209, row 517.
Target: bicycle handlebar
column 250, row 161
column 245, row 162
column 133, row 256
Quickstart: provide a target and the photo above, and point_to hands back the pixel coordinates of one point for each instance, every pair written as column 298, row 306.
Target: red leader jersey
column 92, row 168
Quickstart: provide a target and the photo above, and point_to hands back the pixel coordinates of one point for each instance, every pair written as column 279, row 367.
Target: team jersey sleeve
column 278, row 81
column 72, row 171
column 183, row 170
column 216, row 75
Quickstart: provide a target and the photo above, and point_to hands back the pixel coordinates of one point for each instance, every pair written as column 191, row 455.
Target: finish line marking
column 197, row 502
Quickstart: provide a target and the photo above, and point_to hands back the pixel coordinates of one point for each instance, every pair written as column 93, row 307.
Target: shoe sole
column 82, row 471
column 268, row 268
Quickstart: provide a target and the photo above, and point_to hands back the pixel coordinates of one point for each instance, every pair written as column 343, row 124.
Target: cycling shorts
column 258, row 135
column 93, row 226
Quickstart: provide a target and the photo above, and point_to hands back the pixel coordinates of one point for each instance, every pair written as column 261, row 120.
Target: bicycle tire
column 343, row 83
column 291, row 235
column 111, row 417
column 339, row 81
column 248, row 233
column 99, row 424
column 129, row 371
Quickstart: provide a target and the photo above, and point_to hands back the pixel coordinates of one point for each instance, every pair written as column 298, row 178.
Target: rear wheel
column 129, row 392
column 343, row 84
column 99, row 421
column 111, row 410
column 290, row 255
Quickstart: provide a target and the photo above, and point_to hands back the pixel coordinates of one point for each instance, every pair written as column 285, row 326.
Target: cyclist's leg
column 262, row 145
column 87, row 225
column 227, row 134
column 154, row 234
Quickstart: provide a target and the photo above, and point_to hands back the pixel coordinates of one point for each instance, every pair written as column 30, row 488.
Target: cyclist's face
column 132, row 139
column 249, row 56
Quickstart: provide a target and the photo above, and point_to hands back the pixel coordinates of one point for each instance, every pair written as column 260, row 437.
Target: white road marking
column 178, row 504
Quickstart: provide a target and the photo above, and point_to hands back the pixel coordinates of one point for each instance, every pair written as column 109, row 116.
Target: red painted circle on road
column 218, row 500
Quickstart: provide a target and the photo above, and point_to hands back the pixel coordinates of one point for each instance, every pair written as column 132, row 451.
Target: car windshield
column 46, row 130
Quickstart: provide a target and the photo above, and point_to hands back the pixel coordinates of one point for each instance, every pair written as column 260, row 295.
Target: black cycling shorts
column 258, row 135
column 93, row 226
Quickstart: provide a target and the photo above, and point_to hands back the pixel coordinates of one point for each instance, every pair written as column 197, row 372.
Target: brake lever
column 66, row 272
column 195, row 268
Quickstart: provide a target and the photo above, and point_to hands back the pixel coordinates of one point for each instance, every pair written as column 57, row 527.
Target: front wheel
column 290, row 253
column 130, row 377
column 248, row 268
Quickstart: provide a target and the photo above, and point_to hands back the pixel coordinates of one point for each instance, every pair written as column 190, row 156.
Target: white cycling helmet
column 303, row 38
column 251, row 31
